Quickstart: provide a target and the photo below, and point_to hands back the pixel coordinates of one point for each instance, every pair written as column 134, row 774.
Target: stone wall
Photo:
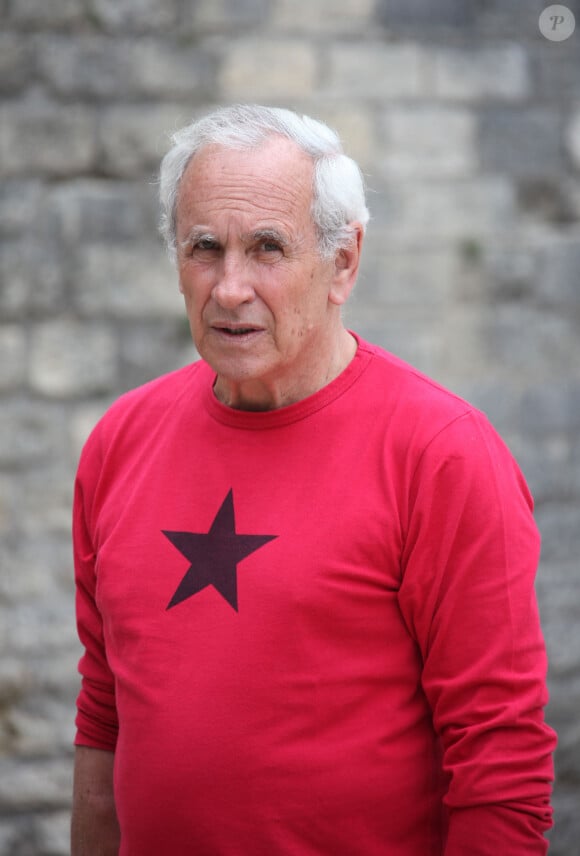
column 466, row 121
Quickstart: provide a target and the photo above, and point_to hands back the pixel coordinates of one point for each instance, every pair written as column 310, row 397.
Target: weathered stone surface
column 13, row 356
column 427, row 141
column 159, row 346
column 134, row 139
column 102, row 212
column 39, row 138
column 119, row 281
column 19, row 201
column 40, row 13
column 29, row 433
column 500, row 72
column 31, row 278
column 325, row 16
column 425, row 15
column 68, row 358
column 16, row 62
column 520, row 143
column 352, row 123
column 556, row 75
column 34, row 785
column 226, row 15
column 447, row 211
column 388, row 71
column 98, row 67
column 572, row 138
column 256, row 69
column 137, row 16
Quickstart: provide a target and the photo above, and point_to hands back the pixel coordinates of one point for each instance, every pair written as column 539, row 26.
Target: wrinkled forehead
column 273, row 179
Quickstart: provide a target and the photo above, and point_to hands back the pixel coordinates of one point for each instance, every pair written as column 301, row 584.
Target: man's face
column 259, row 298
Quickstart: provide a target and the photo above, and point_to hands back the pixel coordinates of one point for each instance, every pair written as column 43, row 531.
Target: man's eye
column 270, row 246
column 205, row 244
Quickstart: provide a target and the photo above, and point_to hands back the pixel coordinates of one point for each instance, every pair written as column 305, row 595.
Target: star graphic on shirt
column 214, row 555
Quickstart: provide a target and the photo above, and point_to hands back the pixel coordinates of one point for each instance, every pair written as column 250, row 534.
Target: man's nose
column 234, row 285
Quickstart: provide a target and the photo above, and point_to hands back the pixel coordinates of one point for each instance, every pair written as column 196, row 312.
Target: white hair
column 338, row 196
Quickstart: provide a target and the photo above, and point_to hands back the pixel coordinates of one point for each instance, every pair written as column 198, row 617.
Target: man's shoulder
column 403, row 387
column 141, row 408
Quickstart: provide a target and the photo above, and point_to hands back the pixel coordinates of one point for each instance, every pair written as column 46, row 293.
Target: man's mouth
column 236, row 331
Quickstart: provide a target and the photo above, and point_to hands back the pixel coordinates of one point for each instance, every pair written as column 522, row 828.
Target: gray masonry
column 466, row 121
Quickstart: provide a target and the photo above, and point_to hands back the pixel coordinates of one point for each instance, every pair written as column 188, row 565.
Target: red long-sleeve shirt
column 312, row 630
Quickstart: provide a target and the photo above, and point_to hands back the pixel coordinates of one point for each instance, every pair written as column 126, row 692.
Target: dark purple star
column 214, row 556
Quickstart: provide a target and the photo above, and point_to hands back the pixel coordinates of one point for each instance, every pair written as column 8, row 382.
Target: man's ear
column 346, row 263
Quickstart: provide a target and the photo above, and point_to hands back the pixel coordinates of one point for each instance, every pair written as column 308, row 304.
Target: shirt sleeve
column 467, row 596
column 96, row 720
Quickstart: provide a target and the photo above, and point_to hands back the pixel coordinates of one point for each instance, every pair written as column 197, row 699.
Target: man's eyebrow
column 270, row 235
column 196, row 234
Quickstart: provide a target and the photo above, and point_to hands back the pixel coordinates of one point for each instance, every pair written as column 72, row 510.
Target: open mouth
column 237, row 331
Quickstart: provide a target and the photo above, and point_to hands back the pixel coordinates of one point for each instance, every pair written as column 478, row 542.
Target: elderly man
column 304, row 570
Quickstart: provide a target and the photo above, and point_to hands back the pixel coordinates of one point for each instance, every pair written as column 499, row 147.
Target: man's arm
column 468, row 598
column 94, row 828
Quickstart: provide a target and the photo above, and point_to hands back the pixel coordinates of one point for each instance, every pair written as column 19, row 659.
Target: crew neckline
column 258, row 420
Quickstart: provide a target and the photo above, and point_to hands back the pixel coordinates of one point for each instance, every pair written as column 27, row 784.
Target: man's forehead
column 272, row 181
column 273, row 158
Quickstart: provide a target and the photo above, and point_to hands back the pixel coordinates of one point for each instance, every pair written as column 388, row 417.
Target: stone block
column 70, row 358
column 556, row 67
column 427, row 141
column 35, row 785
column 102, row 212
column 134, row 139
column 91, row 66
column 10, row 491
column 44, row 625
column 53, row 830
column 225, row 16
column 39, row 138
column 396, row 277
column 572, row 137
column 549, row 463
column 153, row 348
column 422, row 14
column 30, row 433
column 324, row 16
column 503, row 19
column 42, row 725
column 19, row 203
column 172, row 69
column 126, row 282
column 522, row 143
column 13, row 357
column 558, row 522
column 135, row 16
column 255, row 69
column 47, row 500
column 100, row 68
column 498, row 71
column 31, row 278
column 369, row 70
column 17, row 62
column 38, row 14
column 355, row 126
column 469, row 209
column 530, row 343
column 548, row 408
